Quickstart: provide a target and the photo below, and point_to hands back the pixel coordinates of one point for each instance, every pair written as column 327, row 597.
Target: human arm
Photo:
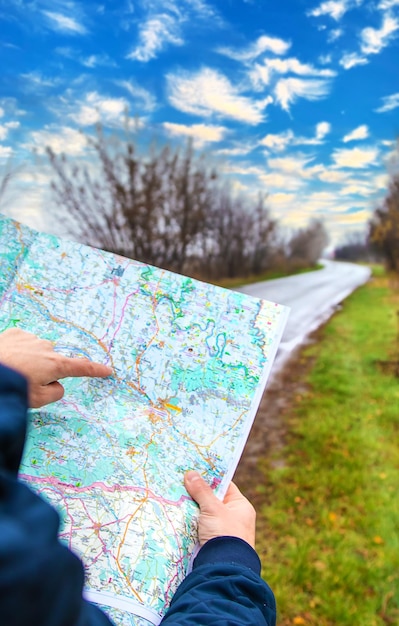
column 37, row 360
column 224, row 587
column 41, row 581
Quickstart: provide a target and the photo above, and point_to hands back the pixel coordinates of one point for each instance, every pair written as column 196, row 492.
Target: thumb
column 201, row 492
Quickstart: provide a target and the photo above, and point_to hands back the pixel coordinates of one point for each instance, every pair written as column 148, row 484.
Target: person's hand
column 36, row 359
column 234, row 517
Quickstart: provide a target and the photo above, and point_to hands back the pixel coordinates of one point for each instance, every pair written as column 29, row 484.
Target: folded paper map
column 191, row 361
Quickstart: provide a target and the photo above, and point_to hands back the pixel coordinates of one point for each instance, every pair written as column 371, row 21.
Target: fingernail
column 192, row 475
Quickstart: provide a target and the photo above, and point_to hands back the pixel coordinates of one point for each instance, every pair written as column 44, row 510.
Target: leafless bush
column 168, row 208
column 6, row 175
column 307, row 244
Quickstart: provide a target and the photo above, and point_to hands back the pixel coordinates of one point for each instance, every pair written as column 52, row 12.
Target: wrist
column 226, row 549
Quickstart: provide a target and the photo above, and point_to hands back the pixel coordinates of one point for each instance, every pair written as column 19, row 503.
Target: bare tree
column 152, row 207
column 263, row 238
column 307, row 244
column 8, row 172
column 170, row 208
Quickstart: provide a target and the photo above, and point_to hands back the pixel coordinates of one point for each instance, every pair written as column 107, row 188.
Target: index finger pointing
column 72, row 366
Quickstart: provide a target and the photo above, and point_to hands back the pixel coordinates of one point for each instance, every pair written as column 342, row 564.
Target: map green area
column 190, row 364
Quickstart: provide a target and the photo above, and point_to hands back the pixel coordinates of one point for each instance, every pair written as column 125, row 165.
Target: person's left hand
column 37, row 360
column 234, row 517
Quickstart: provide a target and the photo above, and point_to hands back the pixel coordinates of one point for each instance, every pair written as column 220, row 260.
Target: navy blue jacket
column 41, row 581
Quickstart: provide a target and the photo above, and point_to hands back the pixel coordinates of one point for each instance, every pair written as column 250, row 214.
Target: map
column 190, row 364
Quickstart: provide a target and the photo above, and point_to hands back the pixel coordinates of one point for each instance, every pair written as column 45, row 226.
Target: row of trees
column 356, row 247
column 381, row 242
column 170, row 208
column 384, row 226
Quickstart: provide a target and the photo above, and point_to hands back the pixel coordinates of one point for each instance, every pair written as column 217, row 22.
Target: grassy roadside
column 231, row 283
column 329, row 531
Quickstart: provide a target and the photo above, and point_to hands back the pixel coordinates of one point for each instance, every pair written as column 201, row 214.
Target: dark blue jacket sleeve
column 224, row 589
column 41, row 581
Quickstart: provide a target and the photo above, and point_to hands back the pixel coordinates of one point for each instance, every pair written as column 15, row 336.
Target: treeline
column 171, row 208
column 384, row 225
column 356, row 247
column 381, row 242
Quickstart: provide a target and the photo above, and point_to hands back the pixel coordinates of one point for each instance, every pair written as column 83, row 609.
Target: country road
column 313, row 297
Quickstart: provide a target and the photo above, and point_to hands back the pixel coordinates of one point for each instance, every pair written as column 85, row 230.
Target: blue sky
column 296, row 98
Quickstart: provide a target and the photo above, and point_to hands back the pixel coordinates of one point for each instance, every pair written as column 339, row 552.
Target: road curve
column 312, row 297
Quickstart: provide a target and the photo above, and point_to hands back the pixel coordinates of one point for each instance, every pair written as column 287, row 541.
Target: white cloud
column 261, row 74
column 279, row 180
column 36, row 80
column 240, row 150
column 388, row 4
column 64, row 23
column 61, row 140
column 322, row 197
column 9, row 106
column 280, row 142
column 287, row 90
column 322, row 129
column 201, row 133
column 357, row 158
column 290, row 165
column 4, row 128
column 281, row 198
column 389, row 103
column 95, row 60
column 242, row 170
column 261, row 45
column 356, row 189
column 352, row 59
column 374, row 39
column 355, row 217
column 142, row 96
column 381, row 181
column 333, row 176
column 5, row 152
column 335, row 34
column 39, row 176
column 208, row 92
column 334, row 8
column 238, row 187
column 361, row 132
column 325, row 59
column 96, row 109
column 154, row 34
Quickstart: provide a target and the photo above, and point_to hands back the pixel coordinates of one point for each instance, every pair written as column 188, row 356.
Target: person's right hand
column 234, row 517
column 37, row 360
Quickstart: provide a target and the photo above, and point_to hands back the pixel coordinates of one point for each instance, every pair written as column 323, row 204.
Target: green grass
column 231, row 283
column 329, row 532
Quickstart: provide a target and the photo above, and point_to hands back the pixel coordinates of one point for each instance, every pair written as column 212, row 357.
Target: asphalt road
column 312, row 297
